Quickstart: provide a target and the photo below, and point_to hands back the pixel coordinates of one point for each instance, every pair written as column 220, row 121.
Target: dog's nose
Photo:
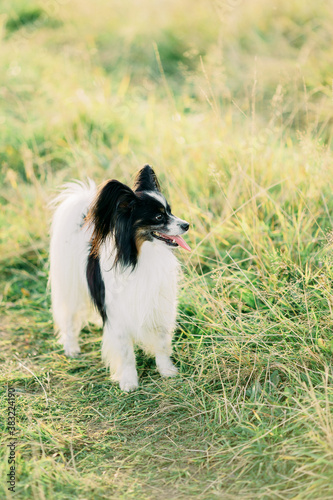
column 185, row 226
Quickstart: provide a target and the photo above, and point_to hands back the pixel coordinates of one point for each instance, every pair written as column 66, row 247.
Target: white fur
column 158, row 196
column 174, row 227
column 140, row 305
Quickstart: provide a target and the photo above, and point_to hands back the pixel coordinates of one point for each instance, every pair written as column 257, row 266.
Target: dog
column 111, row 250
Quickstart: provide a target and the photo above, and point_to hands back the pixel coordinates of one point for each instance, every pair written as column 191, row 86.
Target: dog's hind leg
column 70, row 312
column 69, row 336
column 67, row 316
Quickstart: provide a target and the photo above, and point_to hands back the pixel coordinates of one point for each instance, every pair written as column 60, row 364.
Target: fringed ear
column 146, row 180
column 113, row 205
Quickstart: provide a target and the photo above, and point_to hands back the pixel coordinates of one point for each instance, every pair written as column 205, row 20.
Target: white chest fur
column 143, row 300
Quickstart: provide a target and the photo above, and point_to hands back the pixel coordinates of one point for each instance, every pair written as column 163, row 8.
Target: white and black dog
column 112, row 248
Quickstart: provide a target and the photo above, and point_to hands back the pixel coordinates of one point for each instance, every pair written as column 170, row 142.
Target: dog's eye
column 159, row 217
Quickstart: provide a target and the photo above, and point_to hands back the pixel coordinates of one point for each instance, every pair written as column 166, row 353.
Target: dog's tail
column 79, row 189
column 71, row 205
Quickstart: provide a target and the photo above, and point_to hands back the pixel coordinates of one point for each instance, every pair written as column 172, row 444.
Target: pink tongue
column 178, row 239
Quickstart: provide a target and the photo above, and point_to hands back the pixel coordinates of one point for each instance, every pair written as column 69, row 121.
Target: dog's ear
column 146, row 180
column 113, row 201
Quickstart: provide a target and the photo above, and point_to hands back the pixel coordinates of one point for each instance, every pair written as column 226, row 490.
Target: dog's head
column 133, row 217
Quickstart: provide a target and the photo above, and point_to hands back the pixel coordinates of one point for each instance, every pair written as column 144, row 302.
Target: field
column 231, row 102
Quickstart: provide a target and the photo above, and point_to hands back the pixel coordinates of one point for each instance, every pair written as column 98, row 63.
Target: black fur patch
column 111, row 213
column 146, row 180
column 96, row 285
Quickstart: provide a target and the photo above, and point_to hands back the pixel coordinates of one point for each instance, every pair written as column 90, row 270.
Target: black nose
column 185, row 226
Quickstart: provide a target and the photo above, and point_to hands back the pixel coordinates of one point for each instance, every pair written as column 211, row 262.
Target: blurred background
column 222, row 87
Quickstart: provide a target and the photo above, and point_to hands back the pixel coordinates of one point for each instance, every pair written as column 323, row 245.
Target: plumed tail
column 74, row 188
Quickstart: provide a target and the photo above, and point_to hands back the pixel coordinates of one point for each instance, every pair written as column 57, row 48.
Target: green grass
column 231, row 102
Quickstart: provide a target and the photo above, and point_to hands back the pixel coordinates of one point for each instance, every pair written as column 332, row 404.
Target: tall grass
column 231, row 102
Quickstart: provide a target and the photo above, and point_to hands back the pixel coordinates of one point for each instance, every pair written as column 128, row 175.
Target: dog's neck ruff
column 152, row 255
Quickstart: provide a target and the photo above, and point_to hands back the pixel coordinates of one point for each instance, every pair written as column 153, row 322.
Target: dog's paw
column 72, row 350
column 170, row 371
column 128, row 385
column 165, row 367
column 127, row 379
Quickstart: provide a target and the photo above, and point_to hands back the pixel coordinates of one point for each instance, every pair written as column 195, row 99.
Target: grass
column 231, row 102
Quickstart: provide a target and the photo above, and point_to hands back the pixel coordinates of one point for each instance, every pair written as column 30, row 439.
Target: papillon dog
column 112, row 250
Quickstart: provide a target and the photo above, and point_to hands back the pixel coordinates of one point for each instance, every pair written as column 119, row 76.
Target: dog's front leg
column 163, row 350
column 118, row 355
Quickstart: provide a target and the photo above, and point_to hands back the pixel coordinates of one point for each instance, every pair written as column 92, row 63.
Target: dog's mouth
column 171, row 241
